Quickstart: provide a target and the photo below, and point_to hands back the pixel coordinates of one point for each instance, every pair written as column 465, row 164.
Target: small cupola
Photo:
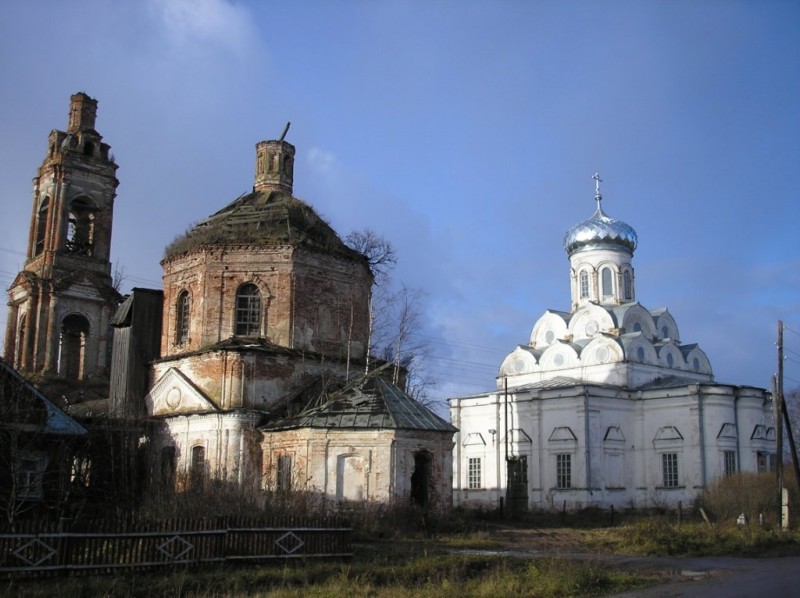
column 600, row 251
column 274, row 165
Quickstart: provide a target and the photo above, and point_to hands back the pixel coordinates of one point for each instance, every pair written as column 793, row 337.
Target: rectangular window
column 474, row 473
column 30, row 468
column 669, row 465
column 563, row 470
column 765, row 461
column 730, row 462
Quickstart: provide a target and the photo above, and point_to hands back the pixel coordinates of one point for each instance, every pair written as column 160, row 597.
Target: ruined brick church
column 249, row 365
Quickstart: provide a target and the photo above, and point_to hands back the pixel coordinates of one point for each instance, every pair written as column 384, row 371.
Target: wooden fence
column 108, row 546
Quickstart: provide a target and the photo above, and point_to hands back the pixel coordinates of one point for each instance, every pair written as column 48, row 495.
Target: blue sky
column 466, row 132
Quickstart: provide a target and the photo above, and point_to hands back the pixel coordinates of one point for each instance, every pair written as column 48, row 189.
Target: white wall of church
column 586, row 445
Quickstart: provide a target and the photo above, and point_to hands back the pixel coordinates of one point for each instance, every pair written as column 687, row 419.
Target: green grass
column 662, row 536
column 397, row 571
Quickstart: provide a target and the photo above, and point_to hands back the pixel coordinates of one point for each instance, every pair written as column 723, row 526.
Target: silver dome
column 600, row 232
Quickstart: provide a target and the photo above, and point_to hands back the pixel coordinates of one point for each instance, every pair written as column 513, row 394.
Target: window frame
column 248, row 309
column 474, row 473
column 670, row 471
column 563, row 471
column 607, row 282
column 627, row 285
column 29, row 471
column 729, row 463
column 583, row 284
column 182, row 317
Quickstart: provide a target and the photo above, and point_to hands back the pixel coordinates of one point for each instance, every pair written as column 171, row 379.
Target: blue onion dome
column 600, row 232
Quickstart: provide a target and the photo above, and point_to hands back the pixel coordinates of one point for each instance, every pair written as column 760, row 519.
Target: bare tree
column 378, row 250
column 381, row 259
column 395, row 318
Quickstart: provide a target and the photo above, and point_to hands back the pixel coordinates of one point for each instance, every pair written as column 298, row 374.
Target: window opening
column 669, row 466
column 730, row 463
column 765, row 461
column 420, row 479
column 198, row 470
column 21, row 330
column 72, row 347
column 248, row 311
column 168, row 467
column 584, row 280
column 80, row 236
column 30, row 468
column 563, row 471
column 474, row 473
column 283, row 478
column 41, row 226
column 182, row 320
column 626, row 285
column 608, row 289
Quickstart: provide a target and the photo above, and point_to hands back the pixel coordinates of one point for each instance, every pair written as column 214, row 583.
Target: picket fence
column 109, row 546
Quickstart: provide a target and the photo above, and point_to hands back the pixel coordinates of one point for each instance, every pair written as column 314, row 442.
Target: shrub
column 750, row 493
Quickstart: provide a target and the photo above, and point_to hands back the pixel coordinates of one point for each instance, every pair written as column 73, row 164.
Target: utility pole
column 784, row 411
column 778, row 417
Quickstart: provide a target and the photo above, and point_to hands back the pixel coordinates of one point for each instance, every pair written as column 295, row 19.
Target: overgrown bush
column 753, row 494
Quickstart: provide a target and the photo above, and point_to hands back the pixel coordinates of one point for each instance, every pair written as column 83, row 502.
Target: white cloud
column 323, row 163
column 219, row 22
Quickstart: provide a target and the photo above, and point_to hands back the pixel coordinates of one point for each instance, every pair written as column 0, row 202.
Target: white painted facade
column 605, row 405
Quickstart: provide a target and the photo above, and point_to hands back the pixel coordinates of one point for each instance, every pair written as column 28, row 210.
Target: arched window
column 248, row 311
column 182, row 318
column 584, row 282
column 41, row 226
column 608, row 287
column 627, row 286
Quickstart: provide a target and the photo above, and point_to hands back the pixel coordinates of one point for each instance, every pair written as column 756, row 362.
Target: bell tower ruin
column 61, row 303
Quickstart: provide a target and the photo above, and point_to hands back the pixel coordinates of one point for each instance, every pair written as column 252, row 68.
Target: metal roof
column 56, row 421
column 372, row 404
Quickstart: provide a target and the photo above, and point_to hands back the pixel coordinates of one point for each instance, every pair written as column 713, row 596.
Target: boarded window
column 284, row 473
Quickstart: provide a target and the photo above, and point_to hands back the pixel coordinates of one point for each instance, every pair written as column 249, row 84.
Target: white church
column 605, row 405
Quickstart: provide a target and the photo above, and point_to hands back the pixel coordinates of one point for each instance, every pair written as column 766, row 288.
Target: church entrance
column 420, row 479
column 517, row 488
